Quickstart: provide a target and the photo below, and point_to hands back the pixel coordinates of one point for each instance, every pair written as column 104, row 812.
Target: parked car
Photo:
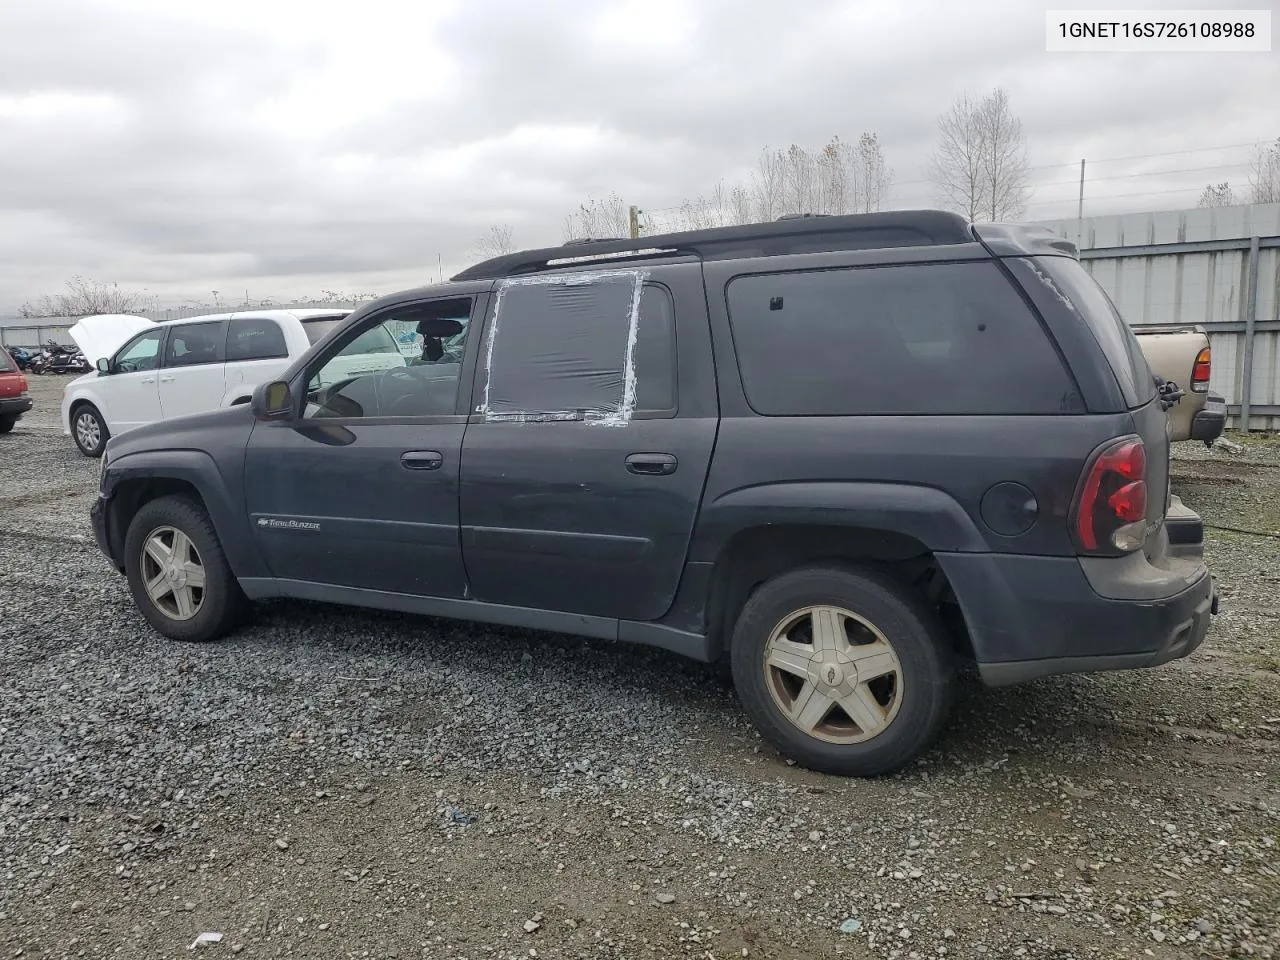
column 14, row 401
column 1181, row 354
column 843, row 454
column 148, row 371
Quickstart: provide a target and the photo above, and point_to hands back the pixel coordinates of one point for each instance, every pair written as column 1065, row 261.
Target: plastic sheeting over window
column 562, row 348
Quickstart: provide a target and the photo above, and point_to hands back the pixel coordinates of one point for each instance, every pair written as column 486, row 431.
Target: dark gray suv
column 842, row 454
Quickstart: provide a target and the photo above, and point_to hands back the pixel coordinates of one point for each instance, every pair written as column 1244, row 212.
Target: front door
column 361, row 489
column 131, row 389
column 584, row 464
column 191, row 374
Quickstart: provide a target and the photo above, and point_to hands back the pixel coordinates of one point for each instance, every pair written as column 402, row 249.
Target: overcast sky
column 286, row 147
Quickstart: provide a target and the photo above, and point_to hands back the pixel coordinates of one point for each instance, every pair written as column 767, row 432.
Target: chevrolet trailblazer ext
column 843, row 453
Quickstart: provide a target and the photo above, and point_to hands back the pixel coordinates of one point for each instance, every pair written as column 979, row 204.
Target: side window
column 405, row 365
column 654, row 355
column 141, row 353
column 947, row 338
column 192, row 344
column 255, row 338
column 571, row 348
column 1115, row 337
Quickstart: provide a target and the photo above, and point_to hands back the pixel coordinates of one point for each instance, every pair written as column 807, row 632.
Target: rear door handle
column 421, row 459
column 652, row 464
column 166, row 379
column 147, row 380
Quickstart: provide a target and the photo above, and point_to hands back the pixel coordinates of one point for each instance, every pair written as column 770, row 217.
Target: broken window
column 563, row 348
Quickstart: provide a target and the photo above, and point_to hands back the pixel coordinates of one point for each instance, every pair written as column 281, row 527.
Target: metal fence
column 1218, row 268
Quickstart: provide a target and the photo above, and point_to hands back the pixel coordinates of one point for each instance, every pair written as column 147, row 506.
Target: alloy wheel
column 833, row 674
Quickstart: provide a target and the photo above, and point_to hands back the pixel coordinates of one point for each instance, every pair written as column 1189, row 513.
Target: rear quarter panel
column 962, row 457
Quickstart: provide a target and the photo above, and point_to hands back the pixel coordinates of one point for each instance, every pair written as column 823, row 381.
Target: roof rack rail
column 796, row 234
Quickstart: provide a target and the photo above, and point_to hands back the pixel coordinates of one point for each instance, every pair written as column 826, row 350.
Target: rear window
column 319, row 327
column 946, row 338
column 1116, row 339
column 6, row 363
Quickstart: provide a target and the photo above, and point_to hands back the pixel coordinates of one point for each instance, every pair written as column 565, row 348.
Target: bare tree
column 496, row 241
column 871, row 177
column 1216, row 195
column 836, row 188
column 768, row 183
column 1264, row 175
column 1004, row 165
column 598, row 219
column 980, row 165
column 741, row 206
column 800, row 186
column 956, row 165
column 84, row 297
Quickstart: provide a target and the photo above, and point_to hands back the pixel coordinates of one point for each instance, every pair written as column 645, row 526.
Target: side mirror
column 272, row 401
column 103, row 365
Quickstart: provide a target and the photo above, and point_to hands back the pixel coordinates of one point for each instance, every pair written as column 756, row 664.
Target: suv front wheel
column 844, row 671
column 178, row 573
column 89, row 430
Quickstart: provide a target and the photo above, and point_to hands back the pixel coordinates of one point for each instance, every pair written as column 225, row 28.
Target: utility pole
column 1080, row 206
column 634, row 219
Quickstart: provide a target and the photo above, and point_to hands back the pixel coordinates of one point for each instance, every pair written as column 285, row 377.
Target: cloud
column 284, row 146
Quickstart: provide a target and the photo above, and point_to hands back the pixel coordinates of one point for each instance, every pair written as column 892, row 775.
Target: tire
column 86, row 420
column 7, row 423
column 906, row 709
column 217, row 607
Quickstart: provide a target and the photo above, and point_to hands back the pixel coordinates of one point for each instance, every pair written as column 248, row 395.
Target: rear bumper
column 14, row 406
column 1208, row 424
column 1174, row 627
column 1032, row 617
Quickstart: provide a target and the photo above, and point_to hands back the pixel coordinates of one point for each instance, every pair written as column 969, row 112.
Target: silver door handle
column 147, row 380
column 165, row 380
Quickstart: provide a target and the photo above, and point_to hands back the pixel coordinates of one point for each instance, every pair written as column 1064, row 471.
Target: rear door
column 594, row 417
column 191, row 374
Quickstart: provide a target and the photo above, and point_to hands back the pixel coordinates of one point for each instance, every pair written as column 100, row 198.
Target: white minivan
column 194, row 365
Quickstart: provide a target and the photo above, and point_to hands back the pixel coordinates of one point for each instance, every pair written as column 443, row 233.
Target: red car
column 14, row 401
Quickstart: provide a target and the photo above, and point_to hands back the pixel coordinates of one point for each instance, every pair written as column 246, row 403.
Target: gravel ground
column 335, row 783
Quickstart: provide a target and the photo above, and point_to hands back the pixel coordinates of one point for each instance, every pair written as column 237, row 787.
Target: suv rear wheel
column 843, row 670
column 178, row 574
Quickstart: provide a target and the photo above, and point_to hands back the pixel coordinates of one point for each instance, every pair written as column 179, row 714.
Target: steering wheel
column 409, row 387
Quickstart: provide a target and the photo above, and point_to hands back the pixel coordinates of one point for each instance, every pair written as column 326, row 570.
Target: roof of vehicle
column 792, row 234
column 300, row 313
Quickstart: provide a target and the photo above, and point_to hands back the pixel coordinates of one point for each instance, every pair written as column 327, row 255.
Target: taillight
column 1200, row 371
column 1111, row 505
column 22, row 384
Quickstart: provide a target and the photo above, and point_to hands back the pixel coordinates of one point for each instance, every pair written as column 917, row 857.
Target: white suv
column 197, row 364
